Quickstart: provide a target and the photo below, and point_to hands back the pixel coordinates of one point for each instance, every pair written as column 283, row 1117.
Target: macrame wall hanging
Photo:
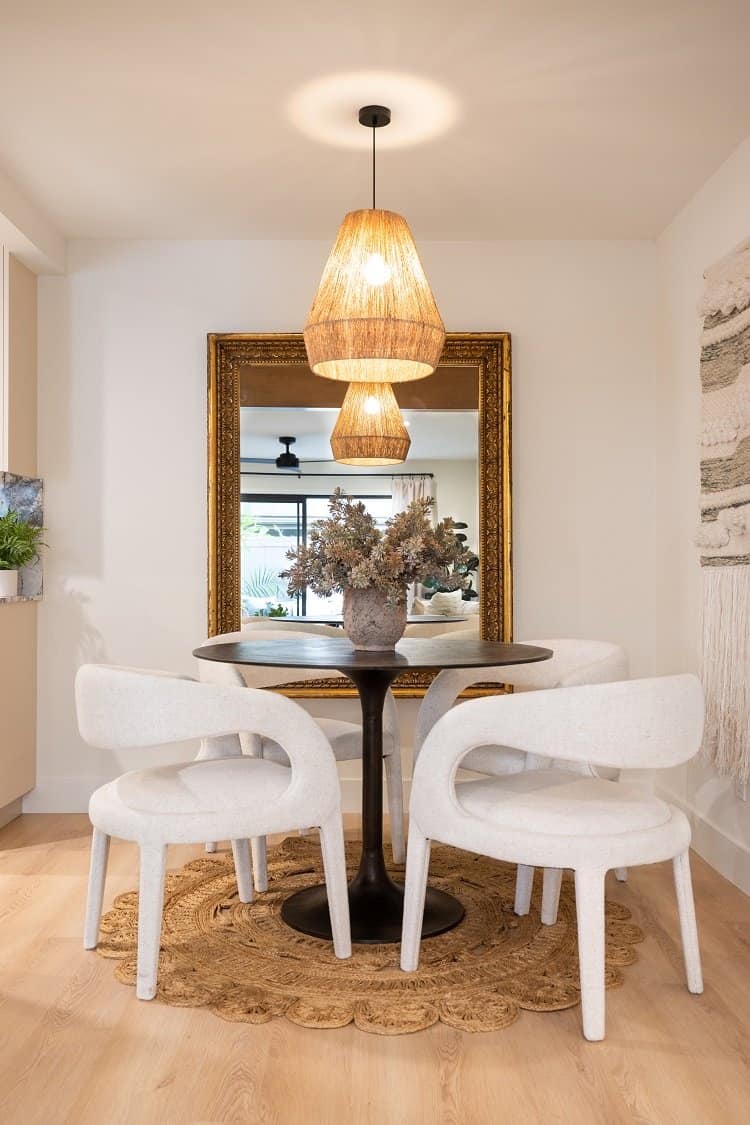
column 724, row 536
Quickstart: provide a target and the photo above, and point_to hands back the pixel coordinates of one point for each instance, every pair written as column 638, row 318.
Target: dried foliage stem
column 348, row 551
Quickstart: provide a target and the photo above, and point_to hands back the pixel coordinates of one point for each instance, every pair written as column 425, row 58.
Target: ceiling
column 448, row 435
column 183, row 118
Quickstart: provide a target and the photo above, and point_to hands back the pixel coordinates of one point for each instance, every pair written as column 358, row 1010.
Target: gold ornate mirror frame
column 487, row 354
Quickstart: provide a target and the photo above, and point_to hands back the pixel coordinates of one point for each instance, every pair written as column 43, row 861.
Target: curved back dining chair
column 573, row 663
column 552, row 817
column 344, row 737
column 284, row 625
column 232, row 798
column 445, row 628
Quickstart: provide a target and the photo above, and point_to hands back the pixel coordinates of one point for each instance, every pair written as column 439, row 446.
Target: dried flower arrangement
column 348, row 551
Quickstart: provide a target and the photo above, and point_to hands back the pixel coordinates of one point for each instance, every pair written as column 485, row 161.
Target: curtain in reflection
column 406, row 489
column 403, row 491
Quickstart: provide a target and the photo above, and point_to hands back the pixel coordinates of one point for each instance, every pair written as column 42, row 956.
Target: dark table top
column 410, row 653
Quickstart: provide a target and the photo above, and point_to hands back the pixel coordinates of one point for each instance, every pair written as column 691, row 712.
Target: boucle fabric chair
column 445, row 628
column 552, row 817
column 345, row 737
column 574, row 662
column 232, row 798
column 284, row 625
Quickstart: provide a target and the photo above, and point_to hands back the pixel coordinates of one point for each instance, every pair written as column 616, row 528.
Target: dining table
column 375, row 899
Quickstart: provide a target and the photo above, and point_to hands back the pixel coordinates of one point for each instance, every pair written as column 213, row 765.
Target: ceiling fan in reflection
column 286, row 461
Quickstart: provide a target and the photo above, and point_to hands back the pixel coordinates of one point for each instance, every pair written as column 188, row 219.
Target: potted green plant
column 271, row 610
column 468, row 566
column 19, row 546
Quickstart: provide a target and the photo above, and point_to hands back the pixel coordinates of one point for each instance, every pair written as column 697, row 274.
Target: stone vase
column 371, row 622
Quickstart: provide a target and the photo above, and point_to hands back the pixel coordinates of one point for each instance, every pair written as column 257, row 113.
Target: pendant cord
column 373, row 167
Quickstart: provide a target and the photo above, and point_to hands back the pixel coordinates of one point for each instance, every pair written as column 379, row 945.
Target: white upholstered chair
column 445, row 628
column 556, row 818
column 231, row 798
column 574, row 662
column 284, row 625
column 345, row 737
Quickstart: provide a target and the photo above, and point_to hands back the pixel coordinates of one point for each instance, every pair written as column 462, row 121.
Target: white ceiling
column 173, row 118
column 447, row 435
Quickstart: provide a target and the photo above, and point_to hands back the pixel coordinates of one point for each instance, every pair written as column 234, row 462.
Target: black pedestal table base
column 375, row 912
column 376, row 903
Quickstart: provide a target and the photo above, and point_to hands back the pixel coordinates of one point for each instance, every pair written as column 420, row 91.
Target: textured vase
column 371, row 622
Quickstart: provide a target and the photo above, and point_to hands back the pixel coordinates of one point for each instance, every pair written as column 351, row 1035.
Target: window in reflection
column 269, row 527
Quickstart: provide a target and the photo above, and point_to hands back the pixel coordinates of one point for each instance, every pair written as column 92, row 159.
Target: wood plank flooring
column 77, row 1047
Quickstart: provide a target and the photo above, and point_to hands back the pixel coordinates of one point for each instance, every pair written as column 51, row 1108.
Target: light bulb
column 376, row 269
column 372, row 406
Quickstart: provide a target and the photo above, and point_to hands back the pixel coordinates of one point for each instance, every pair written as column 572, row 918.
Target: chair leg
column 150, row 907
column 551, row 894
column 395, row 786
column 260, row 863
column 417, row 868
column 590, row 913
column 334, row 865
column 241, row 854
column 621, row 874
column 524, row 884
column 688, row 928
column 211, row 846
column 97, row 875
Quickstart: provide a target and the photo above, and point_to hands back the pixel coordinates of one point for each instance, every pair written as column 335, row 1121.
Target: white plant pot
column 8, row 583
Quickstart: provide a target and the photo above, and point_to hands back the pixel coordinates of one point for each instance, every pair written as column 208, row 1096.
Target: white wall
column 122, row 353
column 712, row 223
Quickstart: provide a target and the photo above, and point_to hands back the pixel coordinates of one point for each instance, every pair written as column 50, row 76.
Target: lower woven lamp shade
column 369, row 429
column 374, row 318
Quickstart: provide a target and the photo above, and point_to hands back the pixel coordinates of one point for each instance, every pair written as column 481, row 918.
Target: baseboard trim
column 727, row 855
column 62, row 794
column 11, row 811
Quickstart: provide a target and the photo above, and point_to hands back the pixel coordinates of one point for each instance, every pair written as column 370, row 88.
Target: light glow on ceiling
column 326, row 108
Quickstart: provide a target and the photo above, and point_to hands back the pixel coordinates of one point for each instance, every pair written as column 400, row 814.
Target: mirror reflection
column 288, row 472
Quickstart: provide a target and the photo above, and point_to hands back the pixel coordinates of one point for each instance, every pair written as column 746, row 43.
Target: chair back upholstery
column 121, row 708
column 444, row 628
column 573, row 663
column 635, row 724
column 278, row 624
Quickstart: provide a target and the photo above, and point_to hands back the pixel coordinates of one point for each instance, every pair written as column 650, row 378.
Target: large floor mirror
column 271, row 472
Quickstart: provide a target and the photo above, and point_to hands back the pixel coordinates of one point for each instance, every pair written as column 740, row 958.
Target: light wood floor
column 77, row 1047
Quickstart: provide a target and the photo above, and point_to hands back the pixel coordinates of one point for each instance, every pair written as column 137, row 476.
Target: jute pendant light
column 369, row 429
column 374, row 318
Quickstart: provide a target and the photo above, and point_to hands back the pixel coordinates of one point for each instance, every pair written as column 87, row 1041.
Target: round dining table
column 375, row 900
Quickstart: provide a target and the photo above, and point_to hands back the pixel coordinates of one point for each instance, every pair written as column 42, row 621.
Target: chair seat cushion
column 345, row 739
column 204, row 786
column 560, row 803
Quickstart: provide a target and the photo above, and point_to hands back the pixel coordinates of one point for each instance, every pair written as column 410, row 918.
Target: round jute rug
column 242, row 961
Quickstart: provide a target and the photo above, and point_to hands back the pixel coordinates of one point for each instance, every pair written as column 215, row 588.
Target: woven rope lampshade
column 369, row 429
column 374, row 318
